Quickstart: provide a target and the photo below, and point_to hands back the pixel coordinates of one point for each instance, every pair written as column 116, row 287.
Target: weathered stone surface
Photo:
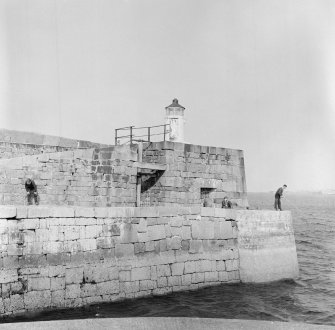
column 8, row 276
column 223, row 229
column 163, row 270
column 37, row 299
column 38, row 283
column 39, row 212
column 84, row 212
column 74, row 275
column 129, row 287
column 156, row 232
column 124, row 250
column 177, row 268
column 203, row 229
column 110, row 287
column 143, row 273
column 7, row 212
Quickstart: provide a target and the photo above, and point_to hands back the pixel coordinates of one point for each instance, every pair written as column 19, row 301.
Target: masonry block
column 62, row 212
column 223, row 229
column 74, row 275
column 72, row 291
column 156, row 232
column 189, row 267
column 124, row 250
column 39, row 212
column 57, row 283
column 84, row 212
column 177, row 268
column 37, row 299
column 174, row 243
column 203, row 229
column 7, row 212
column 109, row 287
column 129, row 287
column 143, row 273
column 163, row 270
column 128, row 233
column 38, row 283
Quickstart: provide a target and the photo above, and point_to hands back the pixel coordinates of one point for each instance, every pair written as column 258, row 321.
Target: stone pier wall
column 86, row 177
column 106, row 177
column 54, row 257
column 193, row 168
column 266, row 246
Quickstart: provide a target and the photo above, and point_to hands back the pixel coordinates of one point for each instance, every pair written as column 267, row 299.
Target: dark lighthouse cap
column 175, row 104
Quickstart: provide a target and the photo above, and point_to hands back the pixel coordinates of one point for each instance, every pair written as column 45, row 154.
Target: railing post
column 164, row 131
column 116, row 137
column 148, row 134
column 131, row 134
column 139, row 178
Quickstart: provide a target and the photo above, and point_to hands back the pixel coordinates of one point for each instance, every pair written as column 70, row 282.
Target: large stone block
column 38, row 283
column 203, row 229
column 72, row 291
column 74, row 275
column 57, row 298
column 147, row 285
column 8, row 276
column 37, row 299
column 189, row 267
column 62, row 212
column 7, row 212
column 129, row 287
column 124, row 250
column 163, row 270
column 128, row 233
column 143, row 273
column 39, row 212
column 203, row 266
column 88, row 244
column 223, row 229
column 177, row 268
column 174, row 243
column 156, row 232
column 110, row 287
column 57, row 283
column 84, row 212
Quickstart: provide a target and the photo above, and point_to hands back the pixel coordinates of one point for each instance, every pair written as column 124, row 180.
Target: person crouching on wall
column 31, row 190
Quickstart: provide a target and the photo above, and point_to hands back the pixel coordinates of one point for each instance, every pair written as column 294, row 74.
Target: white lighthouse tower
column 175, row 118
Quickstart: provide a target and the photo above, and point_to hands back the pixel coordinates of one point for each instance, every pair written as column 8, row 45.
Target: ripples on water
column 311, row 298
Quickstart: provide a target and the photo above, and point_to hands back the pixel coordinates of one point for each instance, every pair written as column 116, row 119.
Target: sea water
column 311, row 298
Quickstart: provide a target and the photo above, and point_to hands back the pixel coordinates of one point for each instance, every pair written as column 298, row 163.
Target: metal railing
column 132, row 134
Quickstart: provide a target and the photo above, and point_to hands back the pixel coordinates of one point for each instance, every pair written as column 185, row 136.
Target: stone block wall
column 54, row 257
column 18, row 144
column 107, row 176
column 85, row 177
column 191, row 168
column 266, row 245
column 10, row 150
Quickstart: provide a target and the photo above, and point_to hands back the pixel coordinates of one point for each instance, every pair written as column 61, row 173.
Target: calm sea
column 310, row 299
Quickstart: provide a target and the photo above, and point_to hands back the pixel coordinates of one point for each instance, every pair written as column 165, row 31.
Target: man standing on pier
column 278, row 196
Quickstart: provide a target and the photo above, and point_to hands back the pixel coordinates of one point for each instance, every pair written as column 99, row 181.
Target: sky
column 253, row 75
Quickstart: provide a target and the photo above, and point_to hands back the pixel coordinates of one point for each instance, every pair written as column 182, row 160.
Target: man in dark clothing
column 226, row 204
column 31, row 191
column 278, row 196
